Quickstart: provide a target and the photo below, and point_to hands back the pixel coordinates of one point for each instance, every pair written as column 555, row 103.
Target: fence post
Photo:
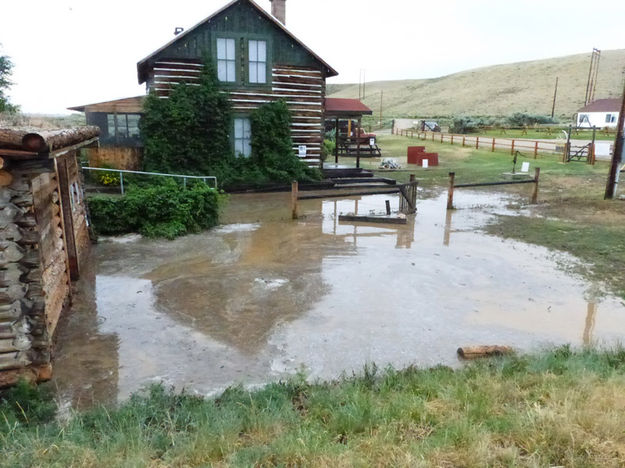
column 512, row 148
column 450, row 192
column 493, row 148
column 536, row 178
column 441, row 137
column 477, row 142
column 463, row 140
column 294, row 195
column 184, row 182
column 388, row 208
column 535, row 150
column 432, row 136
column 452, row 138
column 121, row 181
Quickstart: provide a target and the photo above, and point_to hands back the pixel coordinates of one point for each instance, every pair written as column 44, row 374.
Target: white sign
column 302, row 151
column 371, row 141
column 425, row 164
column 525, row 167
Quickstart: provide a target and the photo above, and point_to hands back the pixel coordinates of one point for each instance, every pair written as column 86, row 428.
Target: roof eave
column 141, row 65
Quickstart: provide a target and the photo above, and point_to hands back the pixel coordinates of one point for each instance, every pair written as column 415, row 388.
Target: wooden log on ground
column 49, row 140
column 17, row 344
column 474, row 352
column 13, row 311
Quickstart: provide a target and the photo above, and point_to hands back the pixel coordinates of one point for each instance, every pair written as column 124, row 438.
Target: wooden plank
column 66, row 218
column 372, row 219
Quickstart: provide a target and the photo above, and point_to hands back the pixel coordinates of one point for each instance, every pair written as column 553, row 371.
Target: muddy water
column 262, row 297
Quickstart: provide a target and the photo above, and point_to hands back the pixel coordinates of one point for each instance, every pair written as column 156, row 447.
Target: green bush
column 167, row 210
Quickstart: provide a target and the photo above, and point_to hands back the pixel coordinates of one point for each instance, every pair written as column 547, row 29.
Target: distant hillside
column 496, row 90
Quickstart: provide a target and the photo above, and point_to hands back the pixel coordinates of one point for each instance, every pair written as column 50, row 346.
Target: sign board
column 302, row 151
column 425, row 164
column 371, row 141
column 525, row 167
column 603, row 148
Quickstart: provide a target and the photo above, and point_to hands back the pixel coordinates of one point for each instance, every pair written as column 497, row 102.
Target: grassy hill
column 496, row 90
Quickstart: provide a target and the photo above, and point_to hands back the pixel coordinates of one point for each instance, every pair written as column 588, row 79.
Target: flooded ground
column 262, row 297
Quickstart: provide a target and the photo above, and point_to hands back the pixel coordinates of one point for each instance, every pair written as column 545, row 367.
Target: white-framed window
column 242, row 137
column 608, row 118
column 226, row 60
column 257, row 61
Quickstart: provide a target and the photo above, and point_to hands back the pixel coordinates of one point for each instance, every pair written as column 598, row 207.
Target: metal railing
column 121, row 173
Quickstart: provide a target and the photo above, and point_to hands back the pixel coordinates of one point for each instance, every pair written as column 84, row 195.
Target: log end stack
column 24, row 338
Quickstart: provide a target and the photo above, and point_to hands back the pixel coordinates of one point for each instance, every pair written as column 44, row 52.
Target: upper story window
column 258, row 61
column 610, row 118
column 123, row 125
column 226, row 60
column 242, row 137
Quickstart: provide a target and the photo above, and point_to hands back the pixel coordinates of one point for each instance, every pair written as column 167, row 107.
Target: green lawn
column 556, row 408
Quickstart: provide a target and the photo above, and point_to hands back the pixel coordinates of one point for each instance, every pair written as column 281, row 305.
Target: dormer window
column 257, row 61
column 226, row 60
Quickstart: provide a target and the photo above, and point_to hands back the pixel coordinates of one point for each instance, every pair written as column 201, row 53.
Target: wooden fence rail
column 531, row 147
column 453, row 185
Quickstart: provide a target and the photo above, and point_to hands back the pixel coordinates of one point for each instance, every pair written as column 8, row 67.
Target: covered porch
column 345, row 117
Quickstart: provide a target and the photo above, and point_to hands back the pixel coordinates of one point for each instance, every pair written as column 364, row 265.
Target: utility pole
column 555, row 94
column 610, row 190
column 593, row 73
column 381, row 103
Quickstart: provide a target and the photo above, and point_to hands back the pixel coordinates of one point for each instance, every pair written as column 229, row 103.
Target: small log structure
column 43, row 236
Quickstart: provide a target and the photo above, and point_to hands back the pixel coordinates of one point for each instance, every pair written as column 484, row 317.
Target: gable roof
column 602, row 105
column 129, row 105
column 336, row 107
column 142, row 64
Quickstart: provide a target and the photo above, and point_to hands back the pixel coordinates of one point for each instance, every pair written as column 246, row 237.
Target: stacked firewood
column 24, row 341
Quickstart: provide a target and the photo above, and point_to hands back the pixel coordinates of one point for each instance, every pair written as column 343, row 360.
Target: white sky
column 70, row 52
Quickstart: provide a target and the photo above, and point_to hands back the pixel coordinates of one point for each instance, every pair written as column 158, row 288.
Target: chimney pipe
column 278, row 10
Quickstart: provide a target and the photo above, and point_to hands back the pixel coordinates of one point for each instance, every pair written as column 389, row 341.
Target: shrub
column 166, row 210
column 521, row 119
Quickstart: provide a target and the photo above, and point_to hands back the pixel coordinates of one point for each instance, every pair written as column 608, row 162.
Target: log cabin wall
column 35, row 282
column 294, row 73
column 115, row 157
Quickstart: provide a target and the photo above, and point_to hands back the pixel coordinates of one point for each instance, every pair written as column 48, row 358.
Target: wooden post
column 535, row 150
column 336, row 141
column 441, row 137
column 477, row 142
column 450, row 193
column 388, row 208
column 463, row 140
column 66, row 216
column 493, row 148
column 432, row 136
column 512, row 148
column 452, row 139
column 536, row 178
column 294, row 196
column 358, row 145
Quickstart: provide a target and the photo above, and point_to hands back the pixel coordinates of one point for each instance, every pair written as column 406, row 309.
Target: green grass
column 555, row 408
column 472, row 165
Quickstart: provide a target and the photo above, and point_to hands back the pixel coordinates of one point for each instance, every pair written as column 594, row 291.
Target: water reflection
column 262, row 296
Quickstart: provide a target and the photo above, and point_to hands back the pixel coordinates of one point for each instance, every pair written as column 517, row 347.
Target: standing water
column 263, row 297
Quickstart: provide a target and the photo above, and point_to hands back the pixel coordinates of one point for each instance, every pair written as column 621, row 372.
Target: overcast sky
column 69, row 52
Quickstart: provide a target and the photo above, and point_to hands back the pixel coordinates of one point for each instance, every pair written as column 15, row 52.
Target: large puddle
column 263, row 297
